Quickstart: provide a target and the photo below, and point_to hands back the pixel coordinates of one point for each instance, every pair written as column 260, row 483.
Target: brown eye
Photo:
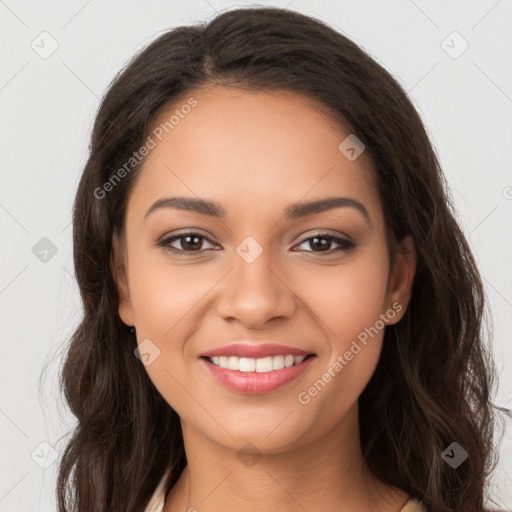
column 322, row 243
column 187, row 243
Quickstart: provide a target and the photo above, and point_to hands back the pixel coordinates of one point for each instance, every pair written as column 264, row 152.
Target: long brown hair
column 433, row 383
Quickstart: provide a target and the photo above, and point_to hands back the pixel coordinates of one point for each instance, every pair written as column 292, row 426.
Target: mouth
column 256, row 376
column 259, row 365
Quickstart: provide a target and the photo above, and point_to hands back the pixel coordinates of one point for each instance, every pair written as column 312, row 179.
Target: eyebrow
column 291, row 212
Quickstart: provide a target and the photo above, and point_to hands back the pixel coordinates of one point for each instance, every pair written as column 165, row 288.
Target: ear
column 119, row 273
column 401, row 279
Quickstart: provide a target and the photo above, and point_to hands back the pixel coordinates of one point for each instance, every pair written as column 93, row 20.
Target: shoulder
column 157, row 501
column 413, row 505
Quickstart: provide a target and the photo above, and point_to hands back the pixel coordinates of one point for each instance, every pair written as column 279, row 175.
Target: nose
column 255, row 293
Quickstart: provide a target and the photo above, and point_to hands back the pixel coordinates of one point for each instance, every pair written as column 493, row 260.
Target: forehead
column 243, row 146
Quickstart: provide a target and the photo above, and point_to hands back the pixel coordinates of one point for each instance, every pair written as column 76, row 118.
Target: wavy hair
column 432, row 385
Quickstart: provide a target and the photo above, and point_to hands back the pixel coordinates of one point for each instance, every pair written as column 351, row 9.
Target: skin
column 255, row 153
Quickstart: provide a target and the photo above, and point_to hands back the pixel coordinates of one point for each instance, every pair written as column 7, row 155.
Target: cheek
column 164, row 299
column 164, row 295
column 351, row 301
column 350, row 309
column 340, row 303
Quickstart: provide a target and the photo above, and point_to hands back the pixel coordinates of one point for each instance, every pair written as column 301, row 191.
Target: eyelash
column 345, row 245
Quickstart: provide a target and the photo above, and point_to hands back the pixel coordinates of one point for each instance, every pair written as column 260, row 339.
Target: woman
column 280, row 309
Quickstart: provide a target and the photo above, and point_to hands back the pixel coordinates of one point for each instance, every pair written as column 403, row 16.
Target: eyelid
column 326, row 232
column 165, row 241
column 187, row 232
column 211, row 238
column 345, row 243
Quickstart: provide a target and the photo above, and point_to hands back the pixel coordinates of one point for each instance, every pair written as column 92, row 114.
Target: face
column 258, row 269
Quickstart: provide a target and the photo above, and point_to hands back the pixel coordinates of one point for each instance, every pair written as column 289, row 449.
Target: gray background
column 47, row 108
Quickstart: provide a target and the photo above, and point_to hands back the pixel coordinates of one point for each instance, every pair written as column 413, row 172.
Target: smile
column 256, row 376
column 261, row 365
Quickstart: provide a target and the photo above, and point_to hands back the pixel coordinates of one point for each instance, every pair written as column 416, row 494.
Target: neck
column 309, row 477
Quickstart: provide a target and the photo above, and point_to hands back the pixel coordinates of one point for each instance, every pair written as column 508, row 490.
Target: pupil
column 193, row 246
column 317, row 242
column 322, row 244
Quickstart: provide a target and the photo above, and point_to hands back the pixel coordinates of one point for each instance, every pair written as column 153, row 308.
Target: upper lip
column 254, row 350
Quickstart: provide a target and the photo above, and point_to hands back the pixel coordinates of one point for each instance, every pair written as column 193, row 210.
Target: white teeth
column 261, row 365
column 264, row 365
column 246, row 364
column 233, row 362
column 298, row 359
column 278, row 362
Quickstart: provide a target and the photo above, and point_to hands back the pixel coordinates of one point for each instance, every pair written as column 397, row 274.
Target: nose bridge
column 254, row 291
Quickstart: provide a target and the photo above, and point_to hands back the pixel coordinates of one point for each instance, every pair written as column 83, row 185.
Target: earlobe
column 401, row 280
column 119, row 274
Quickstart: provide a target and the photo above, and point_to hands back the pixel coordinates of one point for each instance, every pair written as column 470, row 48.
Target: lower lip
column 256, row 383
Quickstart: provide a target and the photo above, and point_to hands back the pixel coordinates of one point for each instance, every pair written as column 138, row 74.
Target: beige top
column 156, row 504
